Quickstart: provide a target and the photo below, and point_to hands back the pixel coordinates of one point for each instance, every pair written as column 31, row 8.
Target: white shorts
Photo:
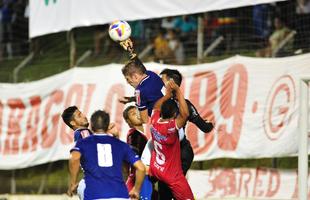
column 80, row 189
column 147, row 152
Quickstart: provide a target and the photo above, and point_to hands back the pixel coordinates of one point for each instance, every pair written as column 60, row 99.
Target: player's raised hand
column 128, row 46
column 172, row 85
column 125, row 100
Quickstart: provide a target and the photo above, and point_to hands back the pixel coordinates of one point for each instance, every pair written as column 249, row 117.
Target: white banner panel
column 253, row 102
column 50, row 16
column 244, row 183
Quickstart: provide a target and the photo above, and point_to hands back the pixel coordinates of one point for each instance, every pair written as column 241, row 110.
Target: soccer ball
column 119, row 30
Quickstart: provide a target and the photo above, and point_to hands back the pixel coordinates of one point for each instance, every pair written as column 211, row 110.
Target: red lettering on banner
column 223, row 183
column 115, row 92
column 89, row 94
column 204, row 110
column 74, row 97
column 232, row 109
column 244, row 183
column 32, row 124
column 258, row 184
column 295, row 194
column 17, row 109
column 51, row 121
column 283, row 110
column 274, row 183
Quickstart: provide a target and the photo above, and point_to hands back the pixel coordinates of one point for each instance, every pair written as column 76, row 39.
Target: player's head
column 133, row 72
column 173, row 74
column 168, row 109
column 130, row 115
column 100, row 121
column 74, row 118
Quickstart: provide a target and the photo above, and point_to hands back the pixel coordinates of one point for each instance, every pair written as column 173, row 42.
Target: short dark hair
column 67, row 115
column 126, row 112
column 100, row 120
column 133, row 66
column 174, row 74
column 168, row 109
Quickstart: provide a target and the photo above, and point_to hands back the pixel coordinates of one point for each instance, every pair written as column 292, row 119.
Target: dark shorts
column 187, row 155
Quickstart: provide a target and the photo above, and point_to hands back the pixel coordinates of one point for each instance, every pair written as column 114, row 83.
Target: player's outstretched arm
column 128, row 46
column 183, row 115
column 125, row 100
column 74, row 168
column 140, row 174
column 194, row 117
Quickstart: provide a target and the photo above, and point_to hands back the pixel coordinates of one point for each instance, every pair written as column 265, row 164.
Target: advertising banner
column 253, row 103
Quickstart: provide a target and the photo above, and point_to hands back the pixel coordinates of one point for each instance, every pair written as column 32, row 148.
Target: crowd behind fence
column 267, row 30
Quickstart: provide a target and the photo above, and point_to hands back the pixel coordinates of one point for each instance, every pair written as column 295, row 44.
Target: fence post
column 72, row 48
column 200, row 39
column 13, row 182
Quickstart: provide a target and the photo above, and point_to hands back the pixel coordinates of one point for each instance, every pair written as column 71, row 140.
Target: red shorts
column 180, row 188
column 130, row 183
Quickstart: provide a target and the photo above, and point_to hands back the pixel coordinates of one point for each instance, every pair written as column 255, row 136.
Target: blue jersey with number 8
column 102, row 157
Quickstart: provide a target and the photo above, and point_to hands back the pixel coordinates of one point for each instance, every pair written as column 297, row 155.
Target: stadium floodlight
column 303, row 139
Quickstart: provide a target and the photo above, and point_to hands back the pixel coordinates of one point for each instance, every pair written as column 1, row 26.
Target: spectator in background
column 7, row 14
column 1, row 32
column 20, row 28
column 187, row 27
column 176, row 47
column 302, row 24
column 137, row 33
column 101, row 33
column 162, row 51
column 210, row 23
column 261, row 22
column 168, row 23
column 225, row 26
column 280, row 33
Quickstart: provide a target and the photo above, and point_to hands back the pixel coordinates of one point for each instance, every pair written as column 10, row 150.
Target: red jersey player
column 166, row 159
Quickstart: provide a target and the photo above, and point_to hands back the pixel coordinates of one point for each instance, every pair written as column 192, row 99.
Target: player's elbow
column 140, row 167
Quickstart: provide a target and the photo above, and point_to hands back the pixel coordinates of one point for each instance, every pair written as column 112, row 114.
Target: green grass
column 7, row 68
column 281, row 163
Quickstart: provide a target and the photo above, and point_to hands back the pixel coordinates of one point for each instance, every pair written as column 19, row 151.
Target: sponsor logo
column 138, row 100
column 158, row 137
column 279, row 107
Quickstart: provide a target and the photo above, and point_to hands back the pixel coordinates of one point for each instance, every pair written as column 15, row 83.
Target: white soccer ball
column 119, row 30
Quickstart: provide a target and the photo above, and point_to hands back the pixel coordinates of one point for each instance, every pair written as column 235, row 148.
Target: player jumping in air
column 167, row 118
